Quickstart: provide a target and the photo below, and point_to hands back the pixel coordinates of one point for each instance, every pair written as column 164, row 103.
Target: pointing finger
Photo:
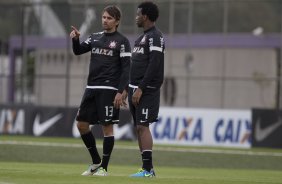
column 74, row 28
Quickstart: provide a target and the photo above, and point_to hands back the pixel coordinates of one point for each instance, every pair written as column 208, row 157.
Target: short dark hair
column 150, row 9
column 113, row 11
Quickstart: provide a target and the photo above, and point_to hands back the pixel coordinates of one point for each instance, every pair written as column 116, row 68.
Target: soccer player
column 107, row 79
column 145, row 79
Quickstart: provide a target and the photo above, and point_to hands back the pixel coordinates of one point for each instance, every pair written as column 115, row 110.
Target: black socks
column 108, row 146
column 147, row 160
column 90, row 143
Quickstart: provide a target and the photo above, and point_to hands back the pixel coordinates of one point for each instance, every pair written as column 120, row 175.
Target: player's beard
column 105, row 27
column 108, row 28
column 139, row 24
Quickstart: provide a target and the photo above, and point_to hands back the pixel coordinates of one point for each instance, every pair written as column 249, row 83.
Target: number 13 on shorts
column 109, row 111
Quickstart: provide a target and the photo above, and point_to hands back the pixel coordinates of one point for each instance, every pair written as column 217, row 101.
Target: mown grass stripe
column 168, row 149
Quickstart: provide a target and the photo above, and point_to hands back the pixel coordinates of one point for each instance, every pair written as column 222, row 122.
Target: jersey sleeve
column 125, row 58
column 81, row 48
column 156, row 62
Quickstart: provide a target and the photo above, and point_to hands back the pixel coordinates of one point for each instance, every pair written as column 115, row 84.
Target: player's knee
column 83, row 127
column 141, row 129
column 108, row 130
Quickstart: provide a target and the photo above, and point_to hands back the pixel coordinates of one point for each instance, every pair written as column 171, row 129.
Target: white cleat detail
column 100, row 172
column 91, row 169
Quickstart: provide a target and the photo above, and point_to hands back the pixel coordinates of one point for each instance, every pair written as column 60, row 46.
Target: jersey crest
column 113, row 44
column 142, row 42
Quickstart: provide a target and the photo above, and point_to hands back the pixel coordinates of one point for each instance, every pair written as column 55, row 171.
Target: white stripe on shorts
column 132, row 86
column 101, row 87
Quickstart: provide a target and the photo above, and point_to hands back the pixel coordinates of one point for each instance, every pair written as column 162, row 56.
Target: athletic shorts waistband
column 132, row 86
column 101, row 87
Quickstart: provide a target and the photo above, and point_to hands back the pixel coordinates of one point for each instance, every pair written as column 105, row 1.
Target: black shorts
column 97, row 107
column 147, row 110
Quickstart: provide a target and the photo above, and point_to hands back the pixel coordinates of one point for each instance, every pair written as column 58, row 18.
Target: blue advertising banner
column 185, row 126
column 203, row 127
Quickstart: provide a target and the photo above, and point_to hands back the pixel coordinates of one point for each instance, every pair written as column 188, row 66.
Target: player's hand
column 136, row 96
column 118, row 101
column 74, row 33
column 124, row 97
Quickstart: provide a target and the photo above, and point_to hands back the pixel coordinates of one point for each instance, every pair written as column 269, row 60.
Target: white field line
column 168, row 149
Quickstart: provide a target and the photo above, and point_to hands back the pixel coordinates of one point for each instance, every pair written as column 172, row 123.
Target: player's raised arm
column 74, row 33
column 79, row 48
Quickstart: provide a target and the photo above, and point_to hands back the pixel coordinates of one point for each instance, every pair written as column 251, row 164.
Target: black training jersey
column 110, row 60
column 147, row 66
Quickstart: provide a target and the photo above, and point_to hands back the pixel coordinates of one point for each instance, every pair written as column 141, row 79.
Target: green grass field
column 42, row 160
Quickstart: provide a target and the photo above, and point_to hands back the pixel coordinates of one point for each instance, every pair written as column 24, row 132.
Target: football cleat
column 100, row 172
column 144, row 173
column 91, row 169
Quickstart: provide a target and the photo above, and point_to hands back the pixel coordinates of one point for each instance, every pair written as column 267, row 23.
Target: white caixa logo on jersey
column 139, row 50
column 100, row 51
